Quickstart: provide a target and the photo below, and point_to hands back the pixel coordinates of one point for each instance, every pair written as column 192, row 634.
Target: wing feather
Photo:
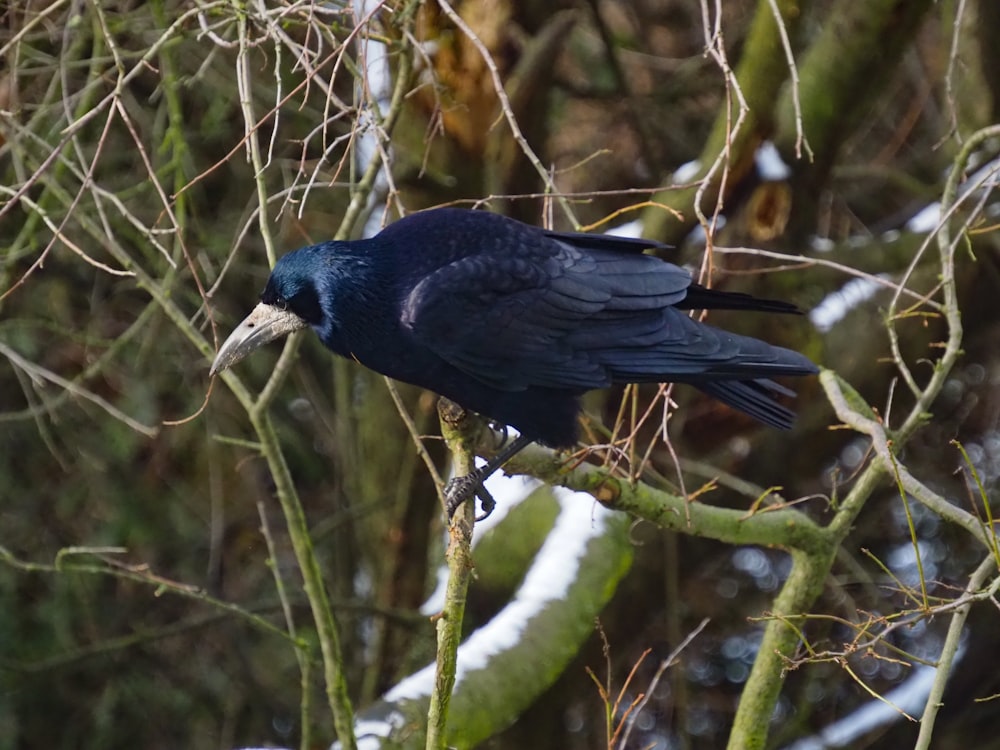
column 557, row 312
column 542, row 317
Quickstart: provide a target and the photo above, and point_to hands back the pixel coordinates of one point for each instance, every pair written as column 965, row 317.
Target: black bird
column 516, row 322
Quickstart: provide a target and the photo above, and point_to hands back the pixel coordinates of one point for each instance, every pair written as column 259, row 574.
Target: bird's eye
column 281, row 303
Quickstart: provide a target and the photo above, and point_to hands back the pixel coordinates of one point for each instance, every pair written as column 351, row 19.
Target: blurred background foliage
column 127, row 179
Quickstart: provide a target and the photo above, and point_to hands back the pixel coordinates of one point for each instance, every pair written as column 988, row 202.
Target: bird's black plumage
column 516, row 322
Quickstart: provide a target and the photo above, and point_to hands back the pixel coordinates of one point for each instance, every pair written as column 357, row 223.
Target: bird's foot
column 468, row 487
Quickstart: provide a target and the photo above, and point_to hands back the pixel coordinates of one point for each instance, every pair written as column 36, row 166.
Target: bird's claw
column 486, row 502
column 501, row 428
column 468, row 487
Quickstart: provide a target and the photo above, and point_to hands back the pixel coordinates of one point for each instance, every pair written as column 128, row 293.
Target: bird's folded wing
column 549, row 315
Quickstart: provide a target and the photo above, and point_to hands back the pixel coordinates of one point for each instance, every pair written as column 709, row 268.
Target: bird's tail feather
column 753, row 397
column 701, row 298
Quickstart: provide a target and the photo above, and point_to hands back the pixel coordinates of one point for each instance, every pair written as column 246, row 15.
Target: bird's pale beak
column 265, row 323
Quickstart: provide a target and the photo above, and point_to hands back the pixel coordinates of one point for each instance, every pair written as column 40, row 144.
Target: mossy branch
column 783, row 527
column 460, row 435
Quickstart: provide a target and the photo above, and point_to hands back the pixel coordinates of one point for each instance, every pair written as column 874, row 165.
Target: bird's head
column 290, row 301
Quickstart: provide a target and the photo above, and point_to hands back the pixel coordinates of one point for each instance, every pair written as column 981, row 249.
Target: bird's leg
column 463, row 488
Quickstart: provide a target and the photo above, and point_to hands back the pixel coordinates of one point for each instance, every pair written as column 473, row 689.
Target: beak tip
column 223, row 359
column 265, row 323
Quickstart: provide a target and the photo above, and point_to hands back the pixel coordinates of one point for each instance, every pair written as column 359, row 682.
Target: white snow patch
column 770, row 165
column 631, row 229
column 377, row 81
column 925, row 220
column 508, row 492
column 822, row 244
column 911, row 696
column 929, row 218
column 686, row 172
column 379, row 727
column 837, row 304
column 697, row 236
column 371, row 733
column 554, row 570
